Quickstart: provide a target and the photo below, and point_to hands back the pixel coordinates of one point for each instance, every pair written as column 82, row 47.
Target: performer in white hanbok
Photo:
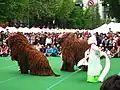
column 95, row 73
column 94, row 65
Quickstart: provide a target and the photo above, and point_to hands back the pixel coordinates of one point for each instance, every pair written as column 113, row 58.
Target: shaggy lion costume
column 28, row 58
column 73, row 51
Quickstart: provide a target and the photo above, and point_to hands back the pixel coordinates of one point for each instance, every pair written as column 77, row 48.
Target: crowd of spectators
column 3, row 45
column 45, row 42
column 49, row 45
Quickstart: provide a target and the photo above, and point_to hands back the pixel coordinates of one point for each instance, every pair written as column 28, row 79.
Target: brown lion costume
column 73, row 50
column 28, row 58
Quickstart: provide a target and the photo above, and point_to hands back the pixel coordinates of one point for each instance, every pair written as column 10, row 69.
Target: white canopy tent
column 24, row 30
column 115, row 27
column 105, row 28
column 2, row 29
column 34, row 30
column 102, row 29
column 11, row 29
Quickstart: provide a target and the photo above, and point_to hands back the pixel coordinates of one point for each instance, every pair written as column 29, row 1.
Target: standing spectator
column 110, row 43
column 3, row 35
column 29, row 38
column 118, row 46
column 1, row 40
column 104, row 42
column 98, row 38
column 7, row 32
column 54, row 40
column 42, row 39
column 32, row 39
column 36, row 40
column 48, row 41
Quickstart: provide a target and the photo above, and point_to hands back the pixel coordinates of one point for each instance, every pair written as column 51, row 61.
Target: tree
column 64, row 13
column 42, row 12
column 62, row 16
column 35, row 12
column 114, row 8
column 76, row 19
column 88, row 18
column 13, row 10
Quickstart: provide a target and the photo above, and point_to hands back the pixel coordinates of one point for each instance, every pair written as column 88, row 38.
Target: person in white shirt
column 48, row 41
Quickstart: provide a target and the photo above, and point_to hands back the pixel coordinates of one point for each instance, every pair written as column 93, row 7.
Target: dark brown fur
column 73, row 50
column 29, row 58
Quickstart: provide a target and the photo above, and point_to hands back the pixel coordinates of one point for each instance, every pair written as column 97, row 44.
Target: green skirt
column 92, row 79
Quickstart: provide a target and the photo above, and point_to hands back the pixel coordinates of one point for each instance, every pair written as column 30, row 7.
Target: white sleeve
column 94, row 47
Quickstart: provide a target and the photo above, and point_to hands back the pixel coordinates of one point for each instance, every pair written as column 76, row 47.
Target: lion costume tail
column 41, row 67
column 44, row 73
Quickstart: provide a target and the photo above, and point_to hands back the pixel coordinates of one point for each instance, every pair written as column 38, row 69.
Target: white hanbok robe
column 94, row 64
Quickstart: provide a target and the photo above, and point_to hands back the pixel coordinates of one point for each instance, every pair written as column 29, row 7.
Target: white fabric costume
column 93, row 54
column 94, row 65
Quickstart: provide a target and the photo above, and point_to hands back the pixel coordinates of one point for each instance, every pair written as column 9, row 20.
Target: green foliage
column 114, row 8
column 13, row 10
column 77, row 18
column 44, row 12
column 85, row 19
column 63, row 15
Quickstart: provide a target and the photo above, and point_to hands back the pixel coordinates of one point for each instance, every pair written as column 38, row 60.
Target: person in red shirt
column 4, row 50
column 118, row 46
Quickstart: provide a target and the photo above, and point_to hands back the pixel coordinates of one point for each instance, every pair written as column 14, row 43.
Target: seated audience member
column 4, row 50
column 48, row 41
column 55, row 51
column 48, row 51
column 112, row 83
column 38, row 46
column 42, row 49
column 113, row 52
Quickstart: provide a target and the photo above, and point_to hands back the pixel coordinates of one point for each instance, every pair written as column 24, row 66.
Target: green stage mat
column 11, row 79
